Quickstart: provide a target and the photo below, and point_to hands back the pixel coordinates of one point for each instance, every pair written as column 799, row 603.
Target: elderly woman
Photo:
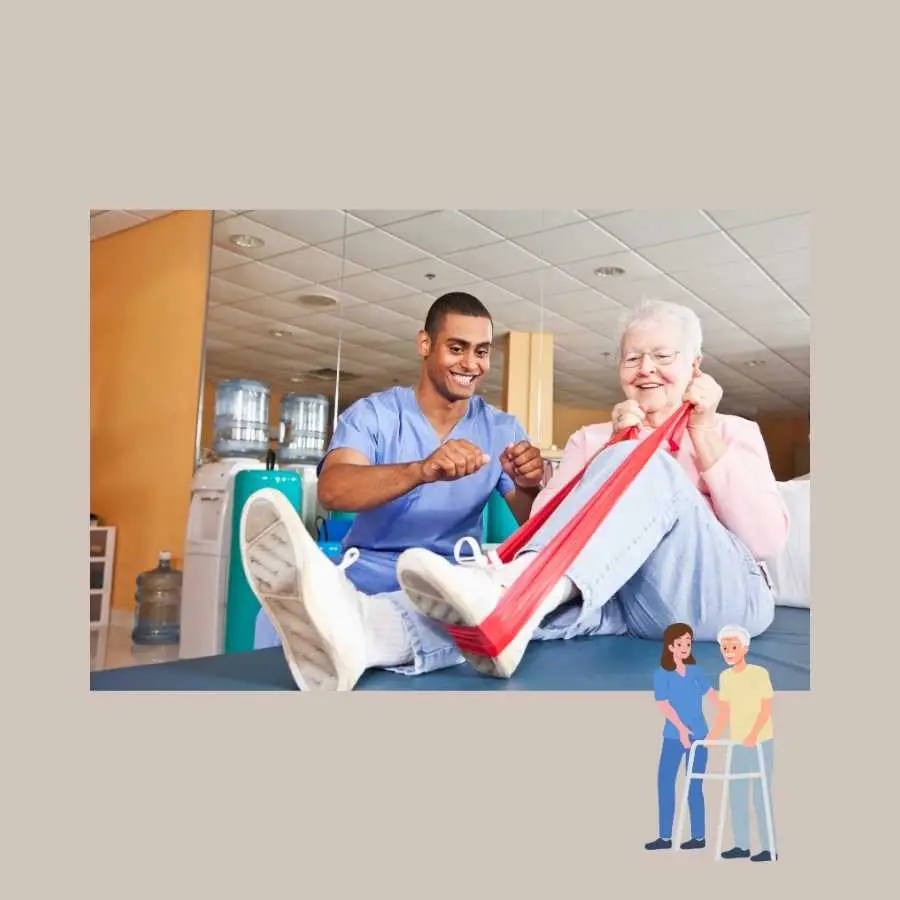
column 683, row 544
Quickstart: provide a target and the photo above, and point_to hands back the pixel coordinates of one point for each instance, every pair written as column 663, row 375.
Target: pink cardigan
column 740, row 488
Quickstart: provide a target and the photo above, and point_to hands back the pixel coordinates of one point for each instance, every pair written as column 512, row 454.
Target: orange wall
column 787, row 440
column 568, row 419
column 148, row 310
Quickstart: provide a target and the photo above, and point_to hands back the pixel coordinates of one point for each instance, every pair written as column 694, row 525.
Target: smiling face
column 654, row 368
column 733, row 650
column 681, row 648
column 459, row 356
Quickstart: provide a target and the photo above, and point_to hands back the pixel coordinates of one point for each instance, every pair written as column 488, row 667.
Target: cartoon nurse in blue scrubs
column 679, row 686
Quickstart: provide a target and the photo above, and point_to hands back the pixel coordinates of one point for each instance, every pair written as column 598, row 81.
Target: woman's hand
column 685, row 737
column 704, row 392
column 626, row 414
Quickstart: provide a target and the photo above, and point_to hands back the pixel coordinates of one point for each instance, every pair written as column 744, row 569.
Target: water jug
column 157, row 604
column 304, row 423
column 241, row 426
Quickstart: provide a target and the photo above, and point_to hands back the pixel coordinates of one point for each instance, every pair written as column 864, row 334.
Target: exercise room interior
column 287, row 317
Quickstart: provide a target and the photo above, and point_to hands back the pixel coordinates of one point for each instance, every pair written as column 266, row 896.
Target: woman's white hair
column 734, row 631
column 664, row 311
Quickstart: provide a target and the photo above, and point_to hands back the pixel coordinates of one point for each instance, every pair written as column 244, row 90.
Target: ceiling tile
column 734, row 218
column 221, row 291
column 378, row 317
column 761, row 313
column 408, row 331
column 415, row 306
column 375, row 249
column 494, row 260
column 575, row 305
column 111, row 221
column 799, row 289
column 769, row 238
column 442, row 232
column 787, row 266
column 512, row 223
column 600, row 213
column 272, row 308
column 373, row 287
column 605, row 321
column 570, row 243
column 588, row 343
column 312, row 226
column 746, row 296
column 148, row 214
column 727, row 275
column 382, row 217
column 344, row 301
column 225, row 259
column 446, row 277
column 234, row 334
column 315, row 265
column 238, row 318
column 545, row 282
column 632, row 292
column 524, row 315
column 730, row 341
column 495, row 298
column 552, row 323
column 274, row 244
column 263, row 278
column 646, row 227
column 325, row 323
column 220, row 214
column 706, row 250
column 635, row 268
column 213, row 345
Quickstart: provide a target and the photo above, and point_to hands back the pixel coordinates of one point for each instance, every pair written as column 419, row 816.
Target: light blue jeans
column 660, row 556
column 745, row 759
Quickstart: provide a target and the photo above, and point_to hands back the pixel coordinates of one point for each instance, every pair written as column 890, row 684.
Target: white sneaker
column 465, row 594
column 310, row 601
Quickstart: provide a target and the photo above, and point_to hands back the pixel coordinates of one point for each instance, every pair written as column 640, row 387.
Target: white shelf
column 102, row 557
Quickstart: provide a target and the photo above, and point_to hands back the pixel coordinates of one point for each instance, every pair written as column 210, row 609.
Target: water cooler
column 241, row 441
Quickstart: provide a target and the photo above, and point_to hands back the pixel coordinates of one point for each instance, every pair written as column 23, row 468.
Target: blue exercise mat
column 583, row 664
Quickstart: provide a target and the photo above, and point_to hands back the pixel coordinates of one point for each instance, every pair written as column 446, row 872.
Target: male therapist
column 417, row 465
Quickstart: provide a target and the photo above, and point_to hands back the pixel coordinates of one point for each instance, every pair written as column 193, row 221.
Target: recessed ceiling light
column 755, row 362
column 318, row 301
column 276, row 333
column 609, row 271
column 246, row 241
column 296, row 379
column 430, row 276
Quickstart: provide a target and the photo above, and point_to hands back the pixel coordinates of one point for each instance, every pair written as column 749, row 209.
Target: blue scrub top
column 685, row 694
column 389, row 428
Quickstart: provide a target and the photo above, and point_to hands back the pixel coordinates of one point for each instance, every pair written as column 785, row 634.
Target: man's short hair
column 455, row 303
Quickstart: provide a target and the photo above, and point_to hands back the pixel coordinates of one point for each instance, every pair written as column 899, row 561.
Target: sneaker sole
column 272, row 543
column 441, row 603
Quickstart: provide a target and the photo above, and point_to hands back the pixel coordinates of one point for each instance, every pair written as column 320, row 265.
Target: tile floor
column 111, row 648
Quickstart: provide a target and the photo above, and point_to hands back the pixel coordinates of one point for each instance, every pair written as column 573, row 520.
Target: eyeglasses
column 660, row 357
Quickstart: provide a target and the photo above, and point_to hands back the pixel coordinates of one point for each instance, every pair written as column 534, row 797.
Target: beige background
column 419, row 795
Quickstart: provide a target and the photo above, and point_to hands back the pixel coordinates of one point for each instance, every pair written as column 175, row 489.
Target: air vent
column 327, row 374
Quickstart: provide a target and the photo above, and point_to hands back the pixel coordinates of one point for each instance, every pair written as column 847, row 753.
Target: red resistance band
column 552, row 561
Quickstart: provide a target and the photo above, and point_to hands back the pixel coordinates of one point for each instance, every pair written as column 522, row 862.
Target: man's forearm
column 520, row 502
column 351, row 488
